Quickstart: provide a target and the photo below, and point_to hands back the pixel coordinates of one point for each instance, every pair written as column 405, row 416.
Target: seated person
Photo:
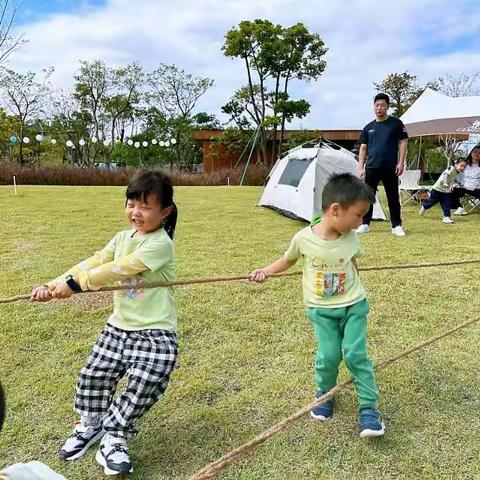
column 469, row 182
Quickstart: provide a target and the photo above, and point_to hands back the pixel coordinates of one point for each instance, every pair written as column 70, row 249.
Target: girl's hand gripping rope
column 41, row 294
column 62, row 290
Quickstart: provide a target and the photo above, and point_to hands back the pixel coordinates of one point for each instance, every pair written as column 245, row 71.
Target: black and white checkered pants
column 146, row 357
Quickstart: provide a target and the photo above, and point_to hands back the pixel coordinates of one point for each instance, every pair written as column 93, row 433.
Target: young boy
column 335, row 297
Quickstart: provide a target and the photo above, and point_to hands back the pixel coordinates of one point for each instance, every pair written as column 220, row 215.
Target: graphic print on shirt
column 329, row 278
column 137, row 293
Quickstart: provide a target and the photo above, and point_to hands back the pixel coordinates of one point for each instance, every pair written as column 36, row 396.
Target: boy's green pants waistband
column 342, row 332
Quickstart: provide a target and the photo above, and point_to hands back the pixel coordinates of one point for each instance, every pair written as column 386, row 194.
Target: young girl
column 442, row 190
column 469, row 181
column 139, row 339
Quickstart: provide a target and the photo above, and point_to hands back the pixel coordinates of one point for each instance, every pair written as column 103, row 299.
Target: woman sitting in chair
column 469, row 182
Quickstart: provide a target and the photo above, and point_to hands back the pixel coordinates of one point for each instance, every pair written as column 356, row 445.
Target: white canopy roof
column 434, row 113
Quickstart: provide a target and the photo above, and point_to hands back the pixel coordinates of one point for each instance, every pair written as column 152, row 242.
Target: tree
column 93, row 84
column 273, row 56
column 175, row 92
column 24, row 98
column 109, row 96
column 8, row 42
column 462, row 85
column 172, row 101
column 69, row 122
column 403, row 90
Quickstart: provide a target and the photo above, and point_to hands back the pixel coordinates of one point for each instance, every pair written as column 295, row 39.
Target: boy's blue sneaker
column 371, row 424
column 323, row 411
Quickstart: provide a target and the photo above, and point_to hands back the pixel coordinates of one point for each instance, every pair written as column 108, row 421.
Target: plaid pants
column 146, row 357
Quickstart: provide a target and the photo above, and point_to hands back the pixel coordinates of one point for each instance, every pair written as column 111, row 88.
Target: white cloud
column 367, row 40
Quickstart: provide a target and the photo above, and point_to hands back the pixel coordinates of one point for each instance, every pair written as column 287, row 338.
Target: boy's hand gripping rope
column 246, row 277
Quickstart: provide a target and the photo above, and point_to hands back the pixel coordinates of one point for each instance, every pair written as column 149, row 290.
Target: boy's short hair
column 382, row 96
column 346, row 189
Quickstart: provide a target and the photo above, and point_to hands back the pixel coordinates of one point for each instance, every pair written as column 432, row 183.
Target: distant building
column 216, row 157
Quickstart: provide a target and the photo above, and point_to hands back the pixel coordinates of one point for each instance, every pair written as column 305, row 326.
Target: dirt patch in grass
column 93, row 301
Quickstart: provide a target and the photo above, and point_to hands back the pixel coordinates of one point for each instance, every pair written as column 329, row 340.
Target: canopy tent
column 434, row 113
column 295, row 183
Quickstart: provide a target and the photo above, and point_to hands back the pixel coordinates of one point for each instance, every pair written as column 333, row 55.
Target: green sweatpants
column 342, row 332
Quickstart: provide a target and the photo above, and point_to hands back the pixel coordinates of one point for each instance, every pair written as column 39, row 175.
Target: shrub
column 70, row 175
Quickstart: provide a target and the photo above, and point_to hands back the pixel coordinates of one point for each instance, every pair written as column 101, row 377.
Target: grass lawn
column 246, row 350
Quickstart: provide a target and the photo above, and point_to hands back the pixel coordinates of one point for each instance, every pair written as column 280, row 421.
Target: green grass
column 246, row 350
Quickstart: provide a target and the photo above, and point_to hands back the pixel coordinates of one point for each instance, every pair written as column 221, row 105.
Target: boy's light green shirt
column 329, row 279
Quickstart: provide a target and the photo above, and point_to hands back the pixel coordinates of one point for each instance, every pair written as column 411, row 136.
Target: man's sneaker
column 422, row 210
column 323, row 411
column 81, row 439
column 112, row 455
column 398, row 231
column 371, row 424
column 447, row 220
column 364, row 228
column 460, row 211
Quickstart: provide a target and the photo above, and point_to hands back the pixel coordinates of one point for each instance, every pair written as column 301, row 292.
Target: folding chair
column 410, row 190
column 470, row 203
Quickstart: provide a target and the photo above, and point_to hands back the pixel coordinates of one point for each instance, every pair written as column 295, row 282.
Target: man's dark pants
column 373, row 176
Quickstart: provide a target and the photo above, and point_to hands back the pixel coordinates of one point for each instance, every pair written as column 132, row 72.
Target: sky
column 366, row 40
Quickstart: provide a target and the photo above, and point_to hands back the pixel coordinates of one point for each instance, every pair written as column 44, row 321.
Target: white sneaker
column 422, row 211
column 398, row 231
column 81, row 439
column 364, row 228
column 113, row 456
column 476, row 202
column 460, row 211
column 447, row 220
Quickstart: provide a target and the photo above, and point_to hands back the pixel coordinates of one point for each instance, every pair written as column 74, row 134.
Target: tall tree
column 93, row 84
column 273, row 56
column 24, row 98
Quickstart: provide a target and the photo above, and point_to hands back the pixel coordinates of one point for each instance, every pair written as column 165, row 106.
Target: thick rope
column 246, row 277
column 217, row 467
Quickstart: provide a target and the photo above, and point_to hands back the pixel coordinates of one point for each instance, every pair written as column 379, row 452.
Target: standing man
column 383, row 150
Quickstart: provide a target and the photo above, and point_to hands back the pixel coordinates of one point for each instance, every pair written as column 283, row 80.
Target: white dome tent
column 295, row 183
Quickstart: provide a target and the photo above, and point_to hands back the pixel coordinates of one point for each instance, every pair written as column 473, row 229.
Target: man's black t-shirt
column 382, row 140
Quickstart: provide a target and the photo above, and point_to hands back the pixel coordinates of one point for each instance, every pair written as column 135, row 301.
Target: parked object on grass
column 295, row 183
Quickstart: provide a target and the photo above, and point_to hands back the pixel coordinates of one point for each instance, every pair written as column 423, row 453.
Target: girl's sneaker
column 112, row 455
column 81, row 439
column 323, row 411
column 371, row 424
column 447, row 220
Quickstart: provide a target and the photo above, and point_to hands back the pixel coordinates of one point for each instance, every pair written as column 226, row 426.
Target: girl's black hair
column 469, row 157
column 155, row 182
